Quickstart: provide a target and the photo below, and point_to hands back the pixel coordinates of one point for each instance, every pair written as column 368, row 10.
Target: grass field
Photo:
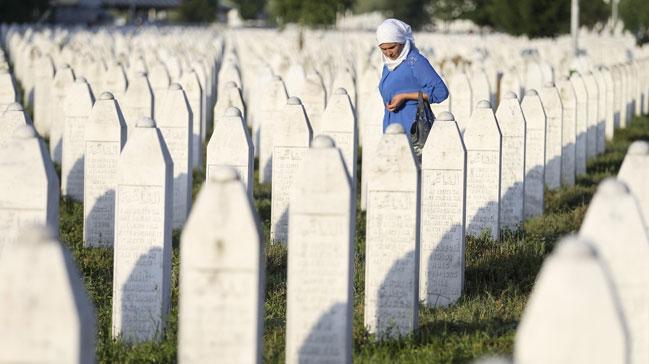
column 499, row 278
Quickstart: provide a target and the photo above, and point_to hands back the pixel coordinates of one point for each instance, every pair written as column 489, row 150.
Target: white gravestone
column 610, row 102
column 371, row 133
column 534, row 154
column 230, row 97
column 568, row 132
column 581, row 125
column 512, row 181
column 320, row 259
column 221, row 308
column 392, row 238
column 8, row 92
column 12, row 118
column 192, row 86
column 573, row 309
column 614, row 224
column 553, row 131
column 635, row 173
column 461, row 99
column 43, row 94
column 46, row 316
column 483, row 142
column 63, row 78
column 175, row 125
column 314, row 98
column 480, row 87
column 115, row 81
column 143, row 212
column 339, row 122
column 593, row 114
column 270, row 111
column 28, row 172
column 291, row 139
column 77, row 106
column 443, row 205
column 231, row 145
column 160, row 80
column 601, row 111
column 105, row 135
column 137, row 101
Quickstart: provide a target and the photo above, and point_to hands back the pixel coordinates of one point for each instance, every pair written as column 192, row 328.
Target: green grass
column 499, row 278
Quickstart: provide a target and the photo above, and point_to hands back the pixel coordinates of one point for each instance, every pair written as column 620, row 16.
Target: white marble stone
column 535, row 120
column 610, row 102
column 614, row 224
column 483, row 142
column 221, row 308
column 320, row 258
column 601, row 111
column 314, row 99
column 480, row 87
column 553, row 130
column 231, row 145
column 63, row 78
column 339, row 122
column 231, row 97
column 392, row 238
column 46, row 316
column 115, row 81
column 371, row 133
column 270, row 111
column 593, row 114
column 192, row 87
column 143, row 220
column 137, row 101
column 461, row 99
column 581, row 125
column 443, row 208
column 104, row 137
column 160, row 80
column 568, row 132
column 45, row 71
column 635, row 173
column 13, row 117
column 574, row 310
column 8, row 93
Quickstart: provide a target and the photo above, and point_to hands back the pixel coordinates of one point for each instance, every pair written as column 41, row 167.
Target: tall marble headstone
column 192, row 87
column 371, row 133
column 63, row 79
column 339, row 122
column 568, row 132
column 581, row 124
column 160, row 80
column 461, row 99
column 593, row 114
column 270, row 110
column 553, row 134
column 8, row 92
column 314, row 98
column 601, row 110
column 534, row 154
column 137, row 101
column 43, row 94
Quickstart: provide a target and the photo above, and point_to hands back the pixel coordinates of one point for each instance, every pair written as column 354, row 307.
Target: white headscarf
column 395, row 31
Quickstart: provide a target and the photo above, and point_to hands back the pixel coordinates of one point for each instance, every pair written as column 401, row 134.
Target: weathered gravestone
column 443, row 202
column 291, row 138
column 13, row 117
column 78, row 104
column 581, row 123
column 461, row 99
column 553, row 130
column 231, row 145
column 46, row 316
column 28, row 172
column 593, row 114
column 568, row 132
column 221, row 308
column 45, row 71
column 339, row 122
column 270, row 110
column 574, row 310
column 192, row 86
column 175, row 126
column 105, row 135
column 534, row 154
column 143, row 220
column 512, row 180
column 614, row 224
column 63, row 79
column 392, row 238
column 371, row 133
column 137, row 101
column 635, row 173
column 320, row 259
column 482, row 139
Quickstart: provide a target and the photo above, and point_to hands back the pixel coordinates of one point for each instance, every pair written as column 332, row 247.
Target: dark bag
column 421, row 127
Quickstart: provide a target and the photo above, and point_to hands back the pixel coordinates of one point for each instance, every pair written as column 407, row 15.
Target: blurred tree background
column 22, row 11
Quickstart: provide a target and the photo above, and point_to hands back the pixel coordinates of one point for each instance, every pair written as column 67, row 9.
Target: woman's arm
column 399, row 99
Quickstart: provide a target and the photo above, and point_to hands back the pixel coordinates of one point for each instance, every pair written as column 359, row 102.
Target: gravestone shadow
column 393, row 296
column 321, row 341
column 98, row 214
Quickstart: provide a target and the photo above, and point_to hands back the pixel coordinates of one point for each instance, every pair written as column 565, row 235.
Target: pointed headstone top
column 639, row 147
column 24, row 132
column 294, row 101
column 340, row 91
column 15, row 106
column 145, row 123
column 612, row 186
column 323, row 142
column 231, row 84
column 175, row 87
column 445, row 116
column 483, row 104
column 574, row 247
column 233, row 112
column 549, row 85
column 510, row 95
column 106, row 96
column 81, row 79
column 394, row 129
column 531, row 92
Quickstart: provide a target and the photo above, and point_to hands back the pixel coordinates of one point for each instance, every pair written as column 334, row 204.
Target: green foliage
column 249, row 9
column 22, row 11
column 197, row 11
column 307, row 12
column 635, row 14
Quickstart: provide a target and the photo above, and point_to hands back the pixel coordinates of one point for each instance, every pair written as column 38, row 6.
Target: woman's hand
column 396, row 102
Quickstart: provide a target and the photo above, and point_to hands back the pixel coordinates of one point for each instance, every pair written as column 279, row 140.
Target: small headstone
column 581, row 125
column 143, row 220
column 569, row 131
column 553, row 130
column 270, row 110
column 320, row 259
column 443, row 202
column 291, row 139
column 573, row 309
column 221, row 308
column 192, row 87
column 482, row 139
column 635, row 173
column 339, row 122
column 392, row 234
column 63, row 79
column 137, row 101
column 534, row 154
column 231, row 145
column 614, row 224
column 28, row 172
column 593, row 114
column 461, row 99
column 105, row 135
column 77, row 106
column 175, row 126
column 46, row 315
column 512, row 181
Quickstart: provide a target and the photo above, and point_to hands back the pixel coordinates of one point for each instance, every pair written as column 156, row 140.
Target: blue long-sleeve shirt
column 414, row 74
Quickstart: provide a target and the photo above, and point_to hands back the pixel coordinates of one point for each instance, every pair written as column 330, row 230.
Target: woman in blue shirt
column 405, row 73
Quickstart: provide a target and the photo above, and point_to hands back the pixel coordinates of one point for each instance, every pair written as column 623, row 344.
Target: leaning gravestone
column 614, row 224
column 270, row 110
column 635, row 173
column 462, row 99
column 63, row 79
column 137, row 101
column 77, row 107
column 339, row 122
column 46, row 316
column 320, row 259
column 593, row 114
column 512, row 181
column 12, row 118
column 482, row 139
column 143, row 220
column 105, row 135
column 221, row 308
column 230, row 145
column 581, row 125
column 534, row 154
column 443, row 202
column 573, row 309
column 175, row 126
column 192, row 86
column 291, row 138
column 28, row 172
column 392, row 238
column 568, row 132
column 553, row 130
